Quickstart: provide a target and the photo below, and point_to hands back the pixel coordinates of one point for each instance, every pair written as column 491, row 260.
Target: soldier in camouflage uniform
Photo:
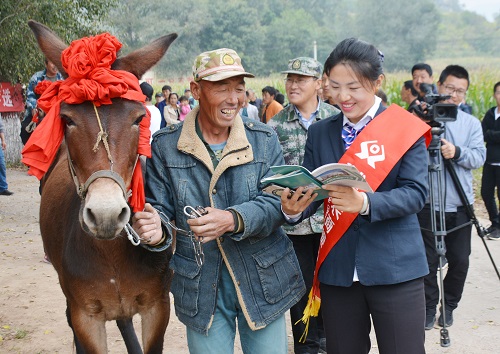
column 302, row 84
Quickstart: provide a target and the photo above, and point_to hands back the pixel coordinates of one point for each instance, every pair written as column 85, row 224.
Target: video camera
column 432, row 111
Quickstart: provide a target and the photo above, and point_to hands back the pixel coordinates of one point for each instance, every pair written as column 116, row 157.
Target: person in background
column 165, row 90
column 184, row 107
column 191, row 100
column 254, row 100
column 462, row 143
column 249, row 110
column 50, row 73
column 272, row 107
column 158, row 98
column 463, row 106
column 422, row 73
column 491, row 169
column 380, row 93
column 249, row 276
column 303, row 79
column 147, row 90
column 327, row 95
column 4, row 187
column 371, row 264
column 280, row 98
column 408, row 93
column 172, row 112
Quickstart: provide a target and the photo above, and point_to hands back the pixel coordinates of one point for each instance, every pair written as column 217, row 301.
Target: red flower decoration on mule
column 87, row 62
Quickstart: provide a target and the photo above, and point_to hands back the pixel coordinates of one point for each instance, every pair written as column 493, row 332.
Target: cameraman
column 421, row 73
column 462, row 142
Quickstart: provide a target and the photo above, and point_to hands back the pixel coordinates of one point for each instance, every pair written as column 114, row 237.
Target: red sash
column 375, row 152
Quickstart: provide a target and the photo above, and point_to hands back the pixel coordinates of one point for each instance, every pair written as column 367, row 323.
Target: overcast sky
column 487, row 8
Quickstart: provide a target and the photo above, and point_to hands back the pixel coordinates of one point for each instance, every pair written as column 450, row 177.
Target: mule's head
column 102, row 140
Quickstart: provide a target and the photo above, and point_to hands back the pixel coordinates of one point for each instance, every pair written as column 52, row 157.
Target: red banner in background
column 11, row 97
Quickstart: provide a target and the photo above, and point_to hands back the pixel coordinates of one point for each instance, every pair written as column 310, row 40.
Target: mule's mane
column 87, row 61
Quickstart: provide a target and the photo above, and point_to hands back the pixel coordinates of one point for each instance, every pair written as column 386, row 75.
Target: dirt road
column 32, row 305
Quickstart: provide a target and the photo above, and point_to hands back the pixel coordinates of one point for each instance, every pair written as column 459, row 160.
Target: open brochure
column 294, row 176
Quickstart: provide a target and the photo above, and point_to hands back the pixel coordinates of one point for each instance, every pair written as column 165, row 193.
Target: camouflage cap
column 217, row 65
column 304, row 66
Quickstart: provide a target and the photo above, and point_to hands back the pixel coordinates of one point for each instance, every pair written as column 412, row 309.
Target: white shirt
column 155, row 119
column 252, row 112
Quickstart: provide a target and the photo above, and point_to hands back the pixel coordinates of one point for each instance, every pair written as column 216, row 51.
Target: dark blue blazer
column 386, row 246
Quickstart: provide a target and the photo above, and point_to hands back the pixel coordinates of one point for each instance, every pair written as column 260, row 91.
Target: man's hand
column 212, row 225
column 147, row 224
column 447, row 149
column 295, row 202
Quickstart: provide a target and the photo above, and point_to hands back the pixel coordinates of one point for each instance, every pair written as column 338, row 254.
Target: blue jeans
column 220, row 340
column 3, row 172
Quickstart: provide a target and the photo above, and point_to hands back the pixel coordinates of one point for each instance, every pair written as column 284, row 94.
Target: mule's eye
column 139, row 120
column 67, row 120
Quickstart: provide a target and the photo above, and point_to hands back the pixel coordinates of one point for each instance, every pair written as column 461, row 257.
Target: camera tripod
column 437, row 211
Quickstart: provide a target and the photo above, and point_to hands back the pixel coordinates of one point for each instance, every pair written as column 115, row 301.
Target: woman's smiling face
column 354, row 98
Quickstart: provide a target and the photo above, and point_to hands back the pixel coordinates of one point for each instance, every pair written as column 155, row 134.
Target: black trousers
column 458, row 248
column 306, row 248
column 491, row 180
column 397, row 312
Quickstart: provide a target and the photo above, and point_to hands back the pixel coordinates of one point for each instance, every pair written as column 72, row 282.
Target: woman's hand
column 345, row 198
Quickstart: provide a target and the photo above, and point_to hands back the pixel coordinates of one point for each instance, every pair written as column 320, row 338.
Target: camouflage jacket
column 31, row 96
column 292, row 136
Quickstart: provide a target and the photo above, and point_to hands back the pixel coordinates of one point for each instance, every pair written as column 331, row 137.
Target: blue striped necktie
column 349, row 134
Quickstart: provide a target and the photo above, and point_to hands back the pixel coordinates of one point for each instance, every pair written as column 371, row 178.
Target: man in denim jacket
column 216, row 159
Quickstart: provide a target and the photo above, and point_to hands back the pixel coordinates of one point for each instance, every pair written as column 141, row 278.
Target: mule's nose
column 105, row 212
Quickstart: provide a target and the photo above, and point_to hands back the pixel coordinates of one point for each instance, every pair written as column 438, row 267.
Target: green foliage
column 21, row 334
column 404, row 40
column 461, row 34
column 235, row 25
column 70, row 19
column 288, row 36
column 266, row 33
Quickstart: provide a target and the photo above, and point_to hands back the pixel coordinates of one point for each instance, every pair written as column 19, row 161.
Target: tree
column 70, row 19
column 404, row 40
column 456, row 39
column 289, row 36
column 233, row 24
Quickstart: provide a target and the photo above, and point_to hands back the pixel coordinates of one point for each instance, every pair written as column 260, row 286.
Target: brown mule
column 103, row 276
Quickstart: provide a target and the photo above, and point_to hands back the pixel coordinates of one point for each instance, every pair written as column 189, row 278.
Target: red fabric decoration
column 87, row 62
column 42, row 86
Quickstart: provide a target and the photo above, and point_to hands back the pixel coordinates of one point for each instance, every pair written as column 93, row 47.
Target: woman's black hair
column 361, row 57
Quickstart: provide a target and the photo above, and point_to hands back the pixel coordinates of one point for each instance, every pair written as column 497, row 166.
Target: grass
column 20, row 334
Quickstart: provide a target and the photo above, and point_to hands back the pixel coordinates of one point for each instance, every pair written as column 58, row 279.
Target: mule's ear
column 141, row 60
column 50, row 44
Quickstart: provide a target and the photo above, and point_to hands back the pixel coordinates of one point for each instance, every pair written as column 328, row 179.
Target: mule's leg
column 154, row 324
column 89, row 330
column 78, row 346
column 126, row 328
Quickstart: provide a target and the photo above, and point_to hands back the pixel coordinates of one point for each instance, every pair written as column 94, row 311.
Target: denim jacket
column 260, row 259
